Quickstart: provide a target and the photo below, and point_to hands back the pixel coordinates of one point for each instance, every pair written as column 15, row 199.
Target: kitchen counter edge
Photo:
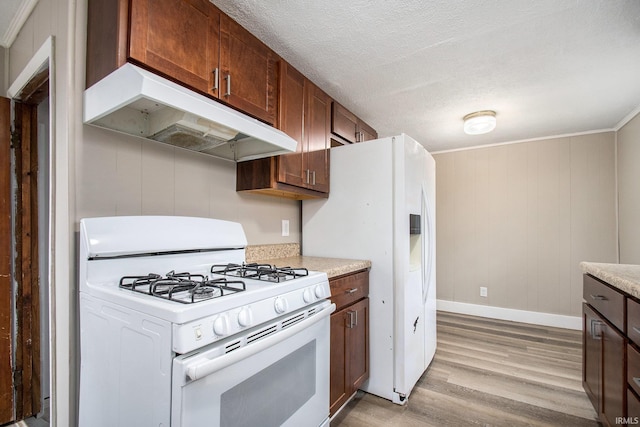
column 334, row 267
column 625, row 277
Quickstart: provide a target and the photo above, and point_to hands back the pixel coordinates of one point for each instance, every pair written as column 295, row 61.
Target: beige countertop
column 332, row 266
column 625, row 277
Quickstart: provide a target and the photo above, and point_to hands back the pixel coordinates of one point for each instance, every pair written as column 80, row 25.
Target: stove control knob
column 244, row 317
column 220, row 326
column 307, row 296
column 280, row 305
column 320, row 292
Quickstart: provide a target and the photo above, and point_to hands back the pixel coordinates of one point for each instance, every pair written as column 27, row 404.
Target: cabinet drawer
column 346, row 290
column 633, row 321
column 633, row 368
column 609, row 302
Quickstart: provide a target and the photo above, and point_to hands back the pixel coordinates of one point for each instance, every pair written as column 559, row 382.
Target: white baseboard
column 533, row 317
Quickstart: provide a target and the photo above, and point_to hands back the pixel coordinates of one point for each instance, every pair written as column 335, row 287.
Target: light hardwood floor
column 489, row 373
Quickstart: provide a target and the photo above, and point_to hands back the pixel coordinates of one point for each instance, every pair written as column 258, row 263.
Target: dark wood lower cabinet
column 604, row 373
column 614, row 384
column 357, row 323
column 349, row 339
column 338, row 379
column 592, row 356
column 633, row 404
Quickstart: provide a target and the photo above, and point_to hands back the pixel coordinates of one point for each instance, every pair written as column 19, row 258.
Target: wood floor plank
column 516, row 369
column 488, row 372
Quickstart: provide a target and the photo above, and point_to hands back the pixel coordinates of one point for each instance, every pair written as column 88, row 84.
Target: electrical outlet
column 285, row 227
column 483, row 291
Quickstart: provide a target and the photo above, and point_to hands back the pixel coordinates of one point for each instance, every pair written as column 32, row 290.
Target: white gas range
column 177, row 330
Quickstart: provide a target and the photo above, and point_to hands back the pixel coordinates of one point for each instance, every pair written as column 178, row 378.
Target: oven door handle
column 202, row 369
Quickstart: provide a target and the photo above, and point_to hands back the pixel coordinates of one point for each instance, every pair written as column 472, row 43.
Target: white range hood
column 140, row 103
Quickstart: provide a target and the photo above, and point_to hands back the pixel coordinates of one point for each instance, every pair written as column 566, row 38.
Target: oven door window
column 271, row 392
column 283, row 384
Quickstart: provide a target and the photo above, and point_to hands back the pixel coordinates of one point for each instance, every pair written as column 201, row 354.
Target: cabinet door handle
column 357, row 136
column 353, row 319
column 228, row 79
column 313, row 177
column 637, row 381
column 308, row 173
column 350, row 291
column 636, row 330
column 215, row 80
column 595, row 329
column 598, row 297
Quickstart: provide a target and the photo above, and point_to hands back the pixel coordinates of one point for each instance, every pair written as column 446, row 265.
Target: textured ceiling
column 547, row 67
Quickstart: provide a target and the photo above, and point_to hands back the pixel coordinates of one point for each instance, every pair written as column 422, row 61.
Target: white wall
column 124, row 175
column 629, row 191
column 519, row 218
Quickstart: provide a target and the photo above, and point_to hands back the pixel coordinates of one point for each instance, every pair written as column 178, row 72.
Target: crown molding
column 627, row 118
column 19, row 18
column 541, row 138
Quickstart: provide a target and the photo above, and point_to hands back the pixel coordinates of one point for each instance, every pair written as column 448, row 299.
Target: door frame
column 29, row 85
column 6, row 318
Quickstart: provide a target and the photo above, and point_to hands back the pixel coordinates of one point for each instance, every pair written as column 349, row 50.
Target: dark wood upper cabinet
column 317, row 127
column 107, row 47
column 249, row 71
column 193, row 43
column 367, row 133
column 180, row 39
column 188, row 41
column 304, row 115
column 348, row 126
column 343, row 122
column 291, row 121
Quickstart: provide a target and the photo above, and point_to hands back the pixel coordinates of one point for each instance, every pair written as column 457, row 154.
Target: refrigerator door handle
column 426, row 248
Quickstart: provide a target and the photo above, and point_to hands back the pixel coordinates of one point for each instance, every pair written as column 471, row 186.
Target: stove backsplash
column 259, row 253
column 124, row 175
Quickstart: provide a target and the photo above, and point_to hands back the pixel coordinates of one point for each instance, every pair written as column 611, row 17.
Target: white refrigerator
column 382, row 208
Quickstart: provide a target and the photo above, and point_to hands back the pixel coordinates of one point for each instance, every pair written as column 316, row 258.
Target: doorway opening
column 25, row 253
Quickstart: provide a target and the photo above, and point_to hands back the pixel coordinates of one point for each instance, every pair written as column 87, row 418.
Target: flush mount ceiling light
column 479, row 122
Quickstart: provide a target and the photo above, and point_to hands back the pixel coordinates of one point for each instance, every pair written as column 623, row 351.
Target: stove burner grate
column 265, row 272
column 184, row 288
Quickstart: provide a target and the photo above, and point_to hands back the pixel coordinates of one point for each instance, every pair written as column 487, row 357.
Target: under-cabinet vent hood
column 138, row 102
